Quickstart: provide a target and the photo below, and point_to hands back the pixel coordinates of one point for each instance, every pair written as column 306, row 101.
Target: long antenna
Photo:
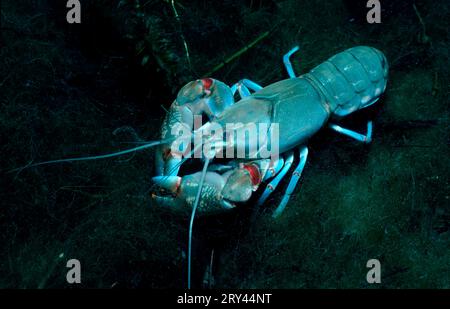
column 194, row 209
column 109, row 155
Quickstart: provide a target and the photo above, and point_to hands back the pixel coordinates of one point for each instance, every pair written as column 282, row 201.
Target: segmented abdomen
column 352, row 79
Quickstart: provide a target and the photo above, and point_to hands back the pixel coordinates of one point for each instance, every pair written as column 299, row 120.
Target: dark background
column 69, row 90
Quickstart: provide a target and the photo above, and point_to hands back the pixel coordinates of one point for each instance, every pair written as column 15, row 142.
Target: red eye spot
column 207, row 83
column 255, row 175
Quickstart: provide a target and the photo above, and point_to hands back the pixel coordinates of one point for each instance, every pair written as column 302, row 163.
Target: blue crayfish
column 300, row 106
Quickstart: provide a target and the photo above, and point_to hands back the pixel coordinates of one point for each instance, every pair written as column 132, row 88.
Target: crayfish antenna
column 98, row 157
column 191, row 223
